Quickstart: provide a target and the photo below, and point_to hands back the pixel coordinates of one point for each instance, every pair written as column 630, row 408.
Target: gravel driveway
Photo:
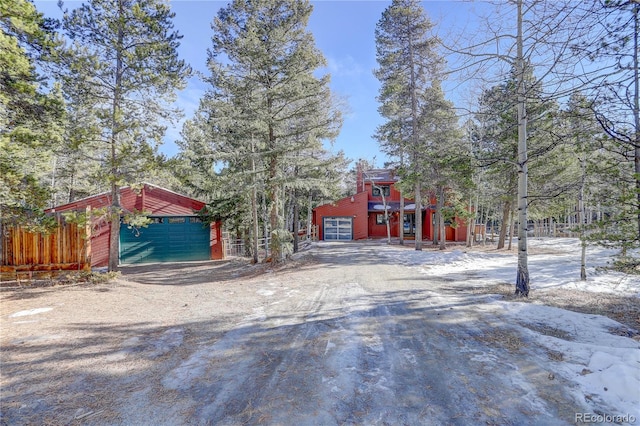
column 339, row 336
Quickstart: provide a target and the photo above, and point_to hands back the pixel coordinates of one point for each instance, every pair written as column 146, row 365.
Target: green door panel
column 168, row 239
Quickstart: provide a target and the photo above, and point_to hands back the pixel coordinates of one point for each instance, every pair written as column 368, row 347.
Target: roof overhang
column 393, row 206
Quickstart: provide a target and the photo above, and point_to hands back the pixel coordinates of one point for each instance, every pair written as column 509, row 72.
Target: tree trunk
column 471, row 227
column 254, row 205
column 483, row 222
column 114, row 235
column 309, row 217
column 435, row 226
column 522, row 276
column 296, row 221
column 512, row 225
column 265, row 226
column 274, row 219
column 636, row 111
column 414, row 141
column 441, row 224
column 506, row 209
column 581, row 220
column 418, row 210
column 401, row 221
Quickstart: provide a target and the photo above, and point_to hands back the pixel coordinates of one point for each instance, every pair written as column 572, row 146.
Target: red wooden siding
column 217, row 248
column 166, row 203
column 153, row 199
column 364, row 221
column 380, row 231
column 394, row 194
column 357, row 209
column 100, row 238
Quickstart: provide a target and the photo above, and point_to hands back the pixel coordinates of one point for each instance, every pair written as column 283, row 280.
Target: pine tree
column 123, row 60
column 80, row 159
column 31, row 117
column 613, row 45
column 408, row 63
column 445, row 157
column 265, row 107
column 583, row 134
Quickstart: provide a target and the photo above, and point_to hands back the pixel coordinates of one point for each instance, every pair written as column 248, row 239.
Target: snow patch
column 30, row 312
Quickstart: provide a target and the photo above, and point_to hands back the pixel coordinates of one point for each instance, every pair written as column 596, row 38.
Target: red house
column 361, row 216
column 175, row 234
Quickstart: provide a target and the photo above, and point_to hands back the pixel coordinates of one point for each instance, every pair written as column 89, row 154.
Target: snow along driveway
column 348, row 335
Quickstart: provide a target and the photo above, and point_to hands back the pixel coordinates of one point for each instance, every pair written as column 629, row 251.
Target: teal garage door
column 167, row 239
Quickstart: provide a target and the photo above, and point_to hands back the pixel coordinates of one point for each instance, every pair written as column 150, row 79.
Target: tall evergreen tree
column 584, row 135
column 31, row 118
column 408, row 63
column 81, row 158
column 614, row 45
column 123, row 60
column 497, row 148
column 445, row 157
column 265, row 107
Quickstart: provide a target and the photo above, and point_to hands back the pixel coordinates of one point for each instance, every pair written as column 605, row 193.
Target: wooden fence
column 27, row 254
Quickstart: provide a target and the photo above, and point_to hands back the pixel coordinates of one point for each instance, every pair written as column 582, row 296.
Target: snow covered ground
column 606, row 366
column 357, row 333
column 553, row 263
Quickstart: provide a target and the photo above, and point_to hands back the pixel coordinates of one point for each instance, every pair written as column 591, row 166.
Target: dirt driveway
column 340, row 336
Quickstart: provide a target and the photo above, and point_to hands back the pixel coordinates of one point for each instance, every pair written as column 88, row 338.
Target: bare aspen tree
column 539, row 44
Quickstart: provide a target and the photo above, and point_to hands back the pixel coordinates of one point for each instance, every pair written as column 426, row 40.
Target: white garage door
column 338, row 228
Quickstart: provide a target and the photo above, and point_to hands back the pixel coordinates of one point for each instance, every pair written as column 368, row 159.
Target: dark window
column 379, row 219
column 195, row 220
column 157, row 219
column 176, row 220
column 386, row 190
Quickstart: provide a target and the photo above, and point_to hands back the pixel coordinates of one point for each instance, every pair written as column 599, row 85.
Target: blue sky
column 344, row 32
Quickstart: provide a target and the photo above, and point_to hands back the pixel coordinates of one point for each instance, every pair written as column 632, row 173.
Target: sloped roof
column 152, row 198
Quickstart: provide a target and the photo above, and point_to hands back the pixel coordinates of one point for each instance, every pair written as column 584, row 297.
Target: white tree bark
column 522, row 277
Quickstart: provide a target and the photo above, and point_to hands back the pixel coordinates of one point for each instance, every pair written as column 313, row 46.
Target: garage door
column 338, row 228
column 167, row 239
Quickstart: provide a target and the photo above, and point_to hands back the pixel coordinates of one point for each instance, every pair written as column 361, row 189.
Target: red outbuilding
column 361, row 216
column 175, row 233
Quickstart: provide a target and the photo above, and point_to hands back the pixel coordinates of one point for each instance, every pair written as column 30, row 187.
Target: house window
column 157, row 219
column 377, row 191
column 380, row 219
column 176, row 220
column 195, row 220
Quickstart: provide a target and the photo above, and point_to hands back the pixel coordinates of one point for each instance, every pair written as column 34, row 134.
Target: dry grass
column 624, row 309
column 506, row 338
column 549, row 331
column 62, row 278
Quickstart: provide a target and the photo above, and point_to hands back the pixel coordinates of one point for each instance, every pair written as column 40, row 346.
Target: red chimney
column 359, row 178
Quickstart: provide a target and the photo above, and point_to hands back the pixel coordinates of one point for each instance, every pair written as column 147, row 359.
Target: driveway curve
column 341, row 336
